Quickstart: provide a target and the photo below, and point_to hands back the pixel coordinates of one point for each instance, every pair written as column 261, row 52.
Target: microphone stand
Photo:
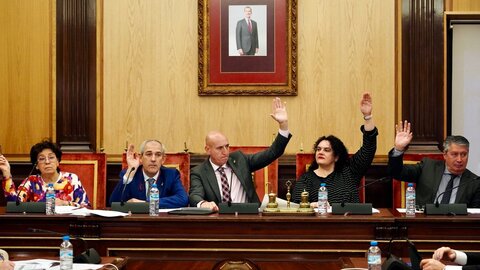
column 17, row 200
column 452, row 209
column 90, row 255
column 122, row 200
column 344, row 208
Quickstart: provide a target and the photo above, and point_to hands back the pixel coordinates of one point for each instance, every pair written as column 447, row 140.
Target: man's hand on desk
column 135, row 200
column 209, row 205
column 431, row 264
column 7, row 265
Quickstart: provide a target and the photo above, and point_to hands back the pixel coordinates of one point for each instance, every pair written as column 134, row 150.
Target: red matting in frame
column 276, row 46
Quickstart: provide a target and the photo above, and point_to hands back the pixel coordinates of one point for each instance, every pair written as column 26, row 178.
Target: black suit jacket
column 427, row 174
column 473, row 261
column 203, row 182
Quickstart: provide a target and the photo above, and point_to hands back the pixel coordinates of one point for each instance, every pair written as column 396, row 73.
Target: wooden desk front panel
column 251, row 236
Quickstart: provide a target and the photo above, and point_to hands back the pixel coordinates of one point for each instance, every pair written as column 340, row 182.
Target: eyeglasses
column 44, row 159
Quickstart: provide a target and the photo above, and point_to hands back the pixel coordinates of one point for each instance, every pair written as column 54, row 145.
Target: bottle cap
column 373, row 243
column 66, row 238
column 323, row 184
column 410, row 184
column 154, row 185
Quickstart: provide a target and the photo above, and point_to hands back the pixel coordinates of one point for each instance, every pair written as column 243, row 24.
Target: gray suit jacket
column 246, row 40
column 203, row 182
column 427, row 174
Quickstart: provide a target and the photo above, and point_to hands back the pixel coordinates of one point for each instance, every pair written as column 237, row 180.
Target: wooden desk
column 431, row 232
column 173, row 242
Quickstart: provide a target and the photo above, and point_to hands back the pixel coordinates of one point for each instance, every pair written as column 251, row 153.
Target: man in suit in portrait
column 227, row 177
column 434, row 177
column 463, row 260
column 247, row 34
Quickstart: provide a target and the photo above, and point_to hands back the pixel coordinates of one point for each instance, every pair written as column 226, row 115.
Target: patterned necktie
column 249, row 26
column 150, row 183
column 225, row 186
column 448, row 190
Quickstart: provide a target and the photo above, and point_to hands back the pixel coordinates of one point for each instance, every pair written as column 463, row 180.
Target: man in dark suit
column 247, row 34
column 227, row 177
column 464, row 260
column 144, row 170
column 434, row 177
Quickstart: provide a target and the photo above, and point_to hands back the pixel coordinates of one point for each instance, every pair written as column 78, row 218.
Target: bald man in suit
column 247, row 34
column 227, row 177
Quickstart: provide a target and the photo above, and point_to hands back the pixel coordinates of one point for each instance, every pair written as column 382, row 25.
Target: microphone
column 448, row 209
column 90, row 255
column 345, row 208
column 17, row 200
column 122, row 200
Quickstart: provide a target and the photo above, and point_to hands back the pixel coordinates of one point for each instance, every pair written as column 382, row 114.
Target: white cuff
column 284, row 133
column 460, row 258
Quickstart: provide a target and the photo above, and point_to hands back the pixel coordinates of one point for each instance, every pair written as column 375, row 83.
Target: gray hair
column 455, row 139
column 142, row 146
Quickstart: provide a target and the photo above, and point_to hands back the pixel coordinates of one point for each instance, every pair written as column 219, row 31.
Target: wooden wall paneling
column 423, row 101
column 462, row 5
column 26, row 67
column 76, row 75
column 151, row 66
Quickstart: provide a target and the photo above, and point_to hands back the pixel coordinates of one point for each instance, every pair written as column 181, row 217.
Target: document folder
column 191, row 211
column 136, row 208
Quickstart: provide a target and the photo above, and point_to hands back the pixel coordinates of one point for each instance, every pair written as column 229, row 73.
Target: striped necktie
column 225, row 186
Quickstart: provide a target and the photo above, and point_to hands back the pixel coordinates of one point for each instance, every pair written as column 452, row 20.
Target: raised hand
column 133, row 158
column 366, row 104
column 4, row 166
column 279, row 113
column 403, row 135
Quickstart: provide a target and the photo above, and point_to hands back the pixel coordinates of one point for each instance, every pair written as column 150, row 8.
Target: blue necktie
column 448, row 190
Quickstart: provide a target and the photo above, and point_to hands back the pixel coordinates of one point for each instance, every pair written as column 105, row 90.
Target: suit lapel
column 462, row 188
column 437, row 178
column 212, row 180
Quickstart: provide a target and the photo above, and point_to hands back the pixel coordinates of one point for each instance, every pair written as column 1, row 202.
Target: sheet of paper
column 43, row 264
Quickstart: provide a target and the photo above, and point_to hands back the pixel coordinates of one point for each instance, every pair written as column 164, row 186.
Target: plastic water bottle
column 50, row 200
column 374, row 256
column 66, row 254
column 410, row 201
column 154, row 198
column 322, row 199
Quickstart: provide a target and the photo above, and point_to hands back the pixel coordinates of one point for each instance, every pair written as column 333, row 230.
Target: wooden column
column 76, row 80
column 423, row 100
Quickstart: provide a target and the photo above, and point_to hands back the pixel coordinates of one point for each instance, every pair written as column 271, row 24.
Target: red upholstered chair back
column 303, row 161
column 399, row 187
column 179, row 161
column 265, row 180
column 91, row 169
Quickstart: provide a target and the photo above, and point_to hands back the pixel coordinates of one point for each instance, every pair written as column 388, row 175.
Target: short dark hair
column 44, row 144
column 339, row 150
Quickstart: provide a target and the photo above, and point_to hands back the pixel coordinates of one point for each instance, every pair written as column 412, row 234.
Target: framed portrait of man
column 247, row 47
